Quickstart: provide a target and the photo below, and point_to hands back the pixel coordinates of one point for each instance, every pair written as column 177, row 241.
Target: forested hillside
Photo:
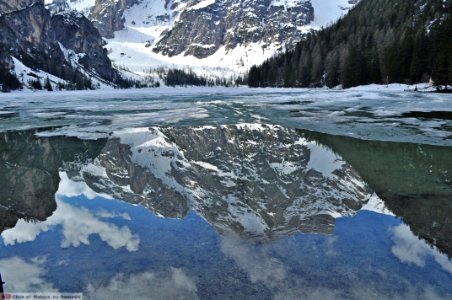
column 379, row 41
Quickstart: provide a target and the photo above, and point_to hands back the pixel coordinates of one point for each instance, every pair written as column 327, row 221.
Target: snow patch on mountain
column 26, row 75
column 326, row 12
column 133, row 55
column 202, row 4
column 322, row 159
column 376, row 204
column 81, row 5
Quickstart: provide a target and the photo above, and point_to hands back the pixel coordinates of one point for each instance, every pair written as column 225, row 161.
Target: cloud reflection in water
column 77, row 224
column 174, row 284
column 408, row 248
column 25, row 275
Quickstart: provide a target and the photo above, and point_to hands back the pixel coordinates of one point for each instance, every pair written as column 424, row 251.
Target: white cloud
column 263, row 267
column 408, row 248
column 70, row 188
column 78, row 224
column 174, row 284
column 25, row 277
column 111, row 215
column 259, row 265
column 24, row 232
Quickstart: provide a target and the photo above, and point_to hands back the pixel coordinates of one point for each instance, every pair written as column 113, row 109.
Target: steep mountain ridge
column 231, row 35
column 65, row 45
column 230, row 23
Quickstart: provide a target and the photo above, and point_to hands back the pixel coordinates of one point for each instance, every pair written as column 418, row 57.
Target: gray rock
column 13, row 5
column 77, row 33
column 33, row 35
column 107, row 15
column 201, row 32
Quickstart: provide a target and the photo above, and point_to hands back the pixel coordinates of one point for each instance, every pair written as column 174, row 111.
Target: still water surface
column 232, row 194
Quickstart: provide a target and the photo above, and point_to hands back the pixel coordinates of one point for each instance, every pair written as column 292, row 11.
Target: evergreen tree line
column 76, row 79
column 8, row 81
column 379, row 41
column 178, row 77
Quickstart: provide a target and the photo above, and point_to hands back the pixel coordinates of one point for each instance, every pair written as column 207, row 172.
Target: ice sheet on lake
column 374, row 112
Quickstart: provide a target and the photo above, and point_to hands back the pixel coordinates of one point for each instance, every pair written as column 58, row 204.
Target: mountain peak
column 231, row 35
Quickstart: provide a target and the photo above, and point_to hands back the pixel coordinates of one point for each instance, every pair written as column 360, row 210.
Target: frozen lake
column 378, row 113
column 227, row 194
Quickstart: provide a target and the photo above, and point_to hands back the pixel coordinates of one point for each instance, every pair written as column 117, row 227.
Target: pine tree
column 380, row 41
column 48, row 85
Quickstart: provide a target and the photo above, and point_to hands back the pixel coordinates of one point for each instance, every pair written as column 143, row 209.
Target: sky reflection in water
column 111, row 249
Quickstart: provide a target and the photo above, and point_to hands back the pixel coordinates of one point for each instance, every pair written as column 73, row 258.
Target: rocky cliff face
column 13, row 5
column 75, row 32
column 200, row 28
column 258, row 181
column 65, row 45
column 26, row 33
column 203, row 27
column 108, row 17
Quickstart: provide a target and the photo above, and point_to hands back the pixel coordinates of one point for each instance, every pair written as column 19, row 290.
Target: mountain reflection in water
column 258, row 181
column 415, row 181
column 290, row 210
column 29, row 173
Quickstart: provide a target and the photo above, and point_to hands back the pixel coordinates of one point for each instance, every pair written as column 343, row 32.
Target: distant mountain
column 41, row 49
column 378, row 41
column 230, row 35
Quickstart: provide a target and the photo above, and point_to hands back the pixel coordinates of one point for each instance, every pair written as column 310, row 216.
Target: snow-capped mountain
column 260, row 181
column 225, row 34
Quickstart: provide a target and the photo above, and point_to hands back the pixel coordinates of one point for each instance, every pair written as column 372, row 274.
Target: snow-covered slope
column 223, row 37
column 78, row 5
column 27, row 75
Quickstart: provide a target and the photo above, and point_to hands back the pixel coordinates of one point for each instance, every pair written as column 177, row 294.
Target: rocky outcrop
column 77, row 33
column 35, row 37
column 201, row 30
column 28, row 31
column 14, row 5
column 107, row 15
